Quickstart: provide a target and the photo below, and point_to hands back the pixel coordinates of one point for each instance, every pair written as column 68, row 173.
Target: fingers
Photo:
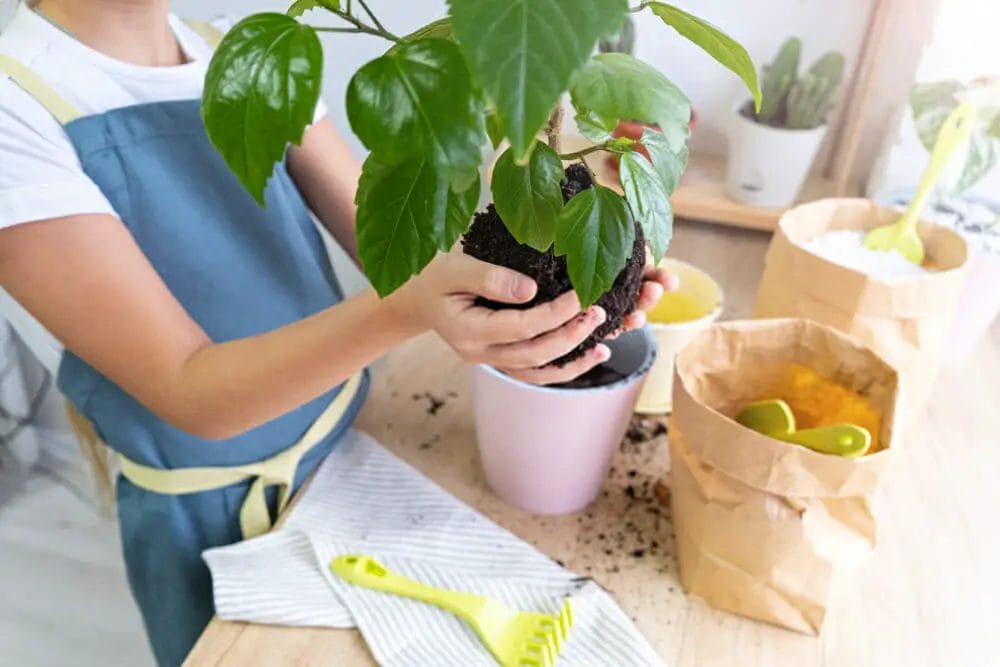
column 572, row 370
column 661, row 276
column 511, row 326
column 496, row 283
column 634, row 320
column 551, row 345
column 649, row 294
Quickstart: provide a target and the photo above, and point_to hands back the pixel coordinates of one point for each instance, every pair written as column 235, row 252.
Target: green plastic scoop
column 774, row 419
column 901, row 235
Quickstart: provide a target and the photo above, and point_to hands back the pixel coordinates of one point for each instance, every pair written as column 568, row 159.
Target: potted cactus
column 772, row 149
column 492, row 70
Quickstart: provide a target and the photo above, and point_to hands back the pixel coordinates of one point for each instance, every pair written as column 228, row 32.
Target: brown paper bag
column 905, row 320
column 765, row 528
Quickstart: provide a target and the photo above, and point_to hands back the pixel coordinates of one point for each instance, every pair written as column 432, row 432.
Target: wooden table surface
column 929, row 595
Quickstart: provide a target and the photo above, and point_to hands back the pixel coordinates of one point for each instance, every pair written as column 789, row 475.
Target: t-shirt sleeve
column 40, row 174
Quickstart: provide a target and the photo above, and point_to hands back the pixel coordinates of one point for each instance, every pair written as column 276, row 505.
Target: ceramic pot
column 548, row 450
column 767, row 165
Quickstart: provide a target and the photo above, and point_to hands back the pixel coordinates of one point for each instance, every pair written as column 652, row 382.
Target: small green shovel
column 774, row 419
column 901, row 235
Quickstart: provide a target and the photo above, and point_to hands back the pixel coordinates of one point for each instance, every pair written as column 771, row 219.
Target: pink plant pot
column 548, row 450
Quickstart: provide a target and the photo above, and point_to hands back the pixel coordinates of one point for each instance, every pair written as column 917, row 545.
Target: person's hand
column 521, row 343
column 655, row 281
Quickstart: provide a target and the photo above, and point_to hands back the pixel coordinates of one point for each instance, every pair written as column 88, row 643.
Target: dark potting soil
column 489, row 240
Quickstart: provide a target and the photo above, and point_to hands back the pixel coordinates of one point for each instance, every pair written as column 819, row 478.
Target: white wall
column 963, row 46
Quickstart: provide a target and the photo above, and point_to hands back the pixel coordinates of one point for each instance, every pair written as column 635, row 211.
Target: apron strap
column 55, row 103
column 33, row 84
column 279, row 470
column 207, row 31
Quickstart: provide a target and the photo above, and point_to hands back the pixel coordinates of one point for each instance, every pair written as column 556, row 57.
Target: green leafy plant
column 932, row 102
column 491, row 70
column 794, row 102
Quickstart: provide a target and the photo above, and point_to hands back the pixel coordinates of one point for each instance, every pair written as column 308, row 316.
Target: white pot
column 767, row 165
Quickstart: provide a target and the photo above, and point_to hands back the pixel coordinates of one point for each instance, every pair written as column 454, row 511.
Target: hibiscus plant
column 491, row 70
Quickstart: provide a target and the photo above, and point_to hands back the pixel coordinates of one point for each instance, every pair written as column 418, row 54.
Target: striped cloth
column 365, row 500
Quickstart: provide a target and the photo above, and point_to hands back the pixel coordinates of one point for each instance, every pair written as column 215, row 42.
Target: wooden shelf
column 701, row 194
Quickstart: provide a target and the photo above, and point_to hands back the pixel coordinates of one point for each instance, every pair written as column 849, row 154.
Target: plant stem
column 318, row 28
column 634, row 10
column 554, row 127
column 364, row 6
column 378, row 30
column 583, row 151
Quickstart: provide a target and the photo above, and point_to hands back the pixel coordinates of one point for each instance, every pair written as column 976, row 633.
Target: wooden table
column 930, row 594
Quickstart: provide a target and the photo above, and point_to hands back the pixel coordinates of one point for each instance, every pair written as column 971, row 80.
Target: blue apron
column 239, row 270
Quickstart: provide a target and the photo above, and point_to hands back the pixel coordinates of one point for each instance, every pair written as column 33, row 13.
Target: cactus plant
column 811, row 98
column 777, row 80
column 799, row 103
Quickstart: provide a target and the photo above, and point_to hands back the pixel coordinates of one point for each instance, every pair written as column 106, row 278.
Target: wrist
column 400, row 314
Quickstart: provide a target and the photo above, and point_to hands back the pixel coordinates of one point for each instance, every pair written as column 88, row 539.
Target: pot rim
column 710, row 316
column 780, row 130
column 631, row 378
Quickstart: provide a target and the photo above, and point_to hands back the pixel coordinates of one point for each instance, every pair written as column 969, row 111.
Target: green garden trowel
column 774, row 419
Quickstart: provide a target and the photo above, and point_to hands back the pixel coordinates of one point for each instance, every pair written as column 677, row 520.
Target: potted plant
column 974, row 217
column 772, row 148
column 624, row 42
column 491, row 70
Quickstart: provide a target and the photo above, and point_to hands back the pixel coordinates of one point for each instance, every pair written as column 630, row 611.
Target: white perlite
column 847, row 248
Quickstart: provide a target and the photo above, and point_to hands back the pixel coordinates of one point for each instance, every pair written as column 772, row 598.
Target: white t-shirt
column 40, row 174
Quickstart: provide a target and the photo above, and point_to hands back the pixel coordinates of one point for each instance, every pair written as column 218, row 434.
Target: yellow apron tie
column 56, row 104
column 278, row 470
column 208, row 32
column 32, row 84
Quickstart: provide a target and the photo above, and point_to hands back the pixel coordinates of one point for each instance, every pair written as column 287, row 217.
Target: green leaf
column 595, row 232
column 529, row 198
column 595, row 128
column 649, row 200
column 493, row 129
column 616, row 86
column 931, row 103
column 714, row 42
column 668, row 163
column 399, row 219
column 440, row 29
column 419, row 100
column 261, row 91
column 980, row 159
column 458, row 210
column 300, row 7
column 524, row 53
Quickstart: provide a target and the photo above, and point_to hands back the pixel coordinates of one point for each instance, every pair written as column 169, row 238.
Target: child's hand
column 518, row 342
column 656, row 281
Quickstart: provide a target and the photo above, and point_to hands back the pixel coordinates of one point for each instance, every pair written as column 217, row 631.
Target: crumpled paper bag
column 906, row 320
column 765, row 528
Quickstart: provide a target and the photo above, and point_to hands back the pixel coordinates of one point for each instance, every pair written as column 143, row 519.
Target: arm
column 327, row 173
column 88, row 282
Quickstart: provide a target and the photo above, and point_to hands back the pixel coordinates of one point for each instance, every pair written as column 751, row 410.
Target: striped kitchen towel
column 364, row 499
